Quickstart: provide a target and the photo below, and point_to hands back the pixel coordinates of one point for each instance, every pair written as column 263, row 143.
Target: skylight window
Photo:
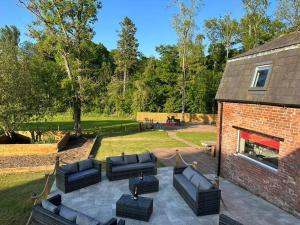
column 261, row 76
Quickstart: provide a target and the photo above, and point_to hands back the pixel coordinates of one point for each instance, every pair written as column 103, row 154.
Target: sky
column 153, row 19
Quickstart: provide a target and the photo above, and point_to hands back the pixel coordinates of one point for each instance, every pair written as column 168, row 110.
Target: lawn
column 15, row 192
column 135, row 143
column 198, row 137
column 90, row 124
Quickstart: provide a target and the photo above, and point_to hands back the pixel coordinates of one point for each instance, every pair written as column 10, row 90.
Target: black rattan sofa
column 78, row 175
column 52, row 216
column 204, row 199
column 122, row 167
column 226, row 220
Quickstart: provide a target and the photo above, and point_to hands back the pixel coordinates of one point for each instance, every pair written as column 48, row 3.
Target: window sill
column 269, row 168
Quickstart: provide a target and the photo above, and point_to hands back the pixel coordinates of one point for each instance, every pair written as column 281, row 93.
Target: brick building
column 259, row 121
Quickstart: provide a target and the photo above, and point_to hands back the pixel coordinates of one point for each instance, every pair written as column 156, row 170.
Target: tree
column 28, row 84
column 63, row 27
column 253, row 22
column 127, row 50
column 224, row 30
column 185, row 24
column 288, row 11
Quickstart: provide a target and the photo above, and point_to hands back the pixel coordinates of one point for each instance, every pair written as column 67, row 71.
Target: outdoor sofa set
column 198, row 192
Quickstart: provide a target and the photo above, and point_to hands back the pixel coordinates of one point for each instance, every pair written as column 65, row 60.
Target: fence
column 189, row 117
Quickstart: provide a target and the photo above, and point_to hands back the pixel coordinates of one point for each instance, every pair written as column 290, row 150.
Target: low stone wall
column 27, row 149
column 33, row 149
column 45, row 163
column 189, row 117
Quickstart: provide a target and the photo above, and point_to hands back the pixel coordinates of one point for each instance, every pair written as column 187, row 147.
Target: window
column 261, row 76
column 259, row 148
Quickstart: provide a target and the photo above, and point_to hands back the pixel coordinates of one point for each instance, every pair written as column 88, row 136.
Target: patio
column 99, row 201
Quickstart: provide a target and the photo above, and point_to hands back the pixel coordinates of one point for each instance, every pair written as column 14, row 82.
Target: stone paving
column 99, row 201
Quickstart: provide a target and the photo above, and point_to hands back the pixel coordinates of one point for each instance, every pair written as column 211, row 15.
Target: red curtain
column 267, row 142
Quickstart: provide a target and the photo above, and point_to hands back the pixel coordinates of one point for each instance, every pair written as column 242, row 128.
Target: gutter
column 220, row 139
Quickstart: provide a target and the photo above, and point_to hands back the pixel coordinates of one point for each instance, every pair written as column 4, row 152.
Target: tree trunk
column 77, row 116
column 124, row 81
column 183, row 89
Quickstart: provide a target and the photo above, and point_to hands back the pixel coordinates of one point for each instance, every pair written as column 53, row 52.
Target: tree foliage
column 64, row 28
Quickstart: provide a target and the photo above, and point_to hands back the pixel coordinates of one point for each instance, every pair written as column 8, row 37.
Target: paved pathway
column 205, row 163
column 99, row 201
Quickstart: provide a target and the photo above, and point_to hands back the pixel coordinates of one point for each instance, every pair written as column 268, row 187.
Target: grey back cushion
column 49, row 206
column 201, row 182
column 117, row 160
column 68, row 213
column 70, row 168
column 128, row 159
column 188, row 173
column 83, row 219
column 143, row 158
column 85, row 164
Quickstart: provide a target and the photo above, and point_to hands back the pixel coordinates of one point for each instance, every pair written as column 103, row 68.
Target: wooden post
column 216, row 182
column 194, row 164
column 56, row 161
column 47, row 188
column 33, row 198
column 213, row 150
column 177, row 158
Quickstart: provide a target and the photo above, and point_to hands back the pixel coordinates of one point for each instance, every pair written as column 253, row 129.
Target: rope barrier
column 188, row 164
column 167, row 158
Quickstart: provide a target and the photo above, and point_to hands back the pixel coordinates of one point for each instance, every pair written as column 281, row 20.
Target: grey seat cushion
column 188, row 173
column 85, row 164
column 68, row 213
column 128, row 159
column 83, row 219
column 187, row 185
column 82, row 174
column 50, row 206
column 70, row 168
column 143, row 158
column 135, row 166
column 117, row 160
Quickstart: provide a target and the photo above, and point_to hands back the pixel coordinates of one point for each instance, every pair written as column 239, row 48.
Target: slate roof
column 283, row 88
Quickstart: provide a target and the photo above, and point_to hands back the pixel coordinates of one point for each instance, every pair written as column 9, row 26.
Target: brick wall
column 282, row 187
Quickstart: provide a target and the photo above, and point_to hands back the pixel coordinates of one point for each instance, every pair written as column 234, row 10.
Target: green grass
column 15, row 192
column 90, row 124
column 135, row 143
column 198, row 137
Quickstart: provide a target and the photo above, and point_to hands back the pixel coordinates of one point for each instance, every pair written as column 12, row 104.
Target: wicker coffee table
column 147, row 185
column 140, row 209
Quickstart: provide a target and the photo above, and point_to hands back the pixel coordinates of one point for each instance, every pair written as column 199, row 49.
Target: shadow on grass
column 15, row 203
column 87, row 125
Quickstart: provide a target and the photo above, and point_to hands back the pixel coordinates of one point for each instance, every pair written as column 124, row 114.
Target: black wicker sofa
column 198, row 192
column 126, row 166
column 78, row 175
column 53, row 212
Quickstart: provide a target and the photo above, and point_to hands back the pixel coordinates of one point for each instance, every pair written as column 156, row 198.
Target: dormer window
column 261, row 76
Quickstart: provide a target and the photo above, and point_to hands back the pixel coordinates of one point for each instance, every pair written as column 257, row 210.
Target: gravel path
column 72, row 154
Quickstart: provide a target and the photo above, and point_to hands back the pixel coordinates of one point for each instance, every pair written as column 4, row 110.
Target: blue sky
column 153, row 19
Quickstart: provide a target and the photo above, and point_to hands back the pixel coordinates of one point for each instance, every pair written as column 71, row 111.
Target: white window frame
column 242, row 156
column 255, row 77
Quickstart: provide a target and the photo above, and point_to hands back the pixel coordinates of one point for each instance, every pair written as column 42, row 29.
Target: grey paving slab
column 99, row 201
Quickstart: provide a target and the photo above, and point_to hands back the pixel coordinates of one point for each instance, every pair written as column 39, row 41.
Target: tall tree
column 253, row 22
column 288, row 11
column 127, row 50
column 184, row 23
column 224, row 30
column 64, row 27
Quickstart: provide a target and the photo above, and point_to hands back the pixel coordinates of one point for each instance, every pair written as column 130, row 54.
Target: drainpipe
column 220, row 138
